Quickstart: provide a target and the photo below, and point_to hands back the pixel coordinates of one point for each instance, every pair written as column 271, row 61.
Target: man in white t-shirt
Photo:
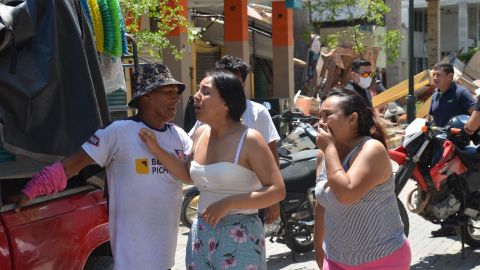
column 256, row 116
column 144, row 199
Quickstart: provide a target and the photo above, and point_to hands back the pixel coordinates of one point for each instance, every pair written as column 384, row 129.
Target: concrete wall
column 449, row 30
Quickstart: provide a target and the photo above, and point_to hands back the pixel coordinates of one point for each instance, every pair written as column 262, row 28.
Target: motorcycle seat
column 287, row 160
column 300, row 175
column 470, row 156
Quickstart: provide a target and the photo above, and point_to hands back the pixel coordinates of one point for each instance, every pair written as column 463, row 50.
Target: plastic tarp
column 52, row 96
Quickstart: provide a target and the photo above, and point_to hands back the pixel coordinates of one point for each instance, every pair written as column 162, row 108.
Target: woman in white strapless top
column 236, row 174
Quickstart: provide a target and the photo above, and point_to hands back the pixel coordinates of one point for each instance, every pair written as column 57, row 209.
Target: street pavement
column 443, row 253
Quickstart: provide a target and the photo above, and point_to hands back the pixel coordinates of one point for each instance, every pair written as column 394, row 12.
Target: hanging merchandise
column 112, row 73
column 107, row 26
column 124, row 36
column 97, row 22
column 114, row 9
column 85, row 8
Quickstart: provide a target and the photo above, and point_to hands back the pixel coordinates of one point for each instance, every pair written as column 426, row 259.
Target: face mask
column 365, row 82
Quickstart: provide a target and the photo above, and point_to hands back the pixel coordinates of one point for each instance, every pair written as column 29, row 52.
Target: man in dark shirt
column 448, row 100
column 362, row 75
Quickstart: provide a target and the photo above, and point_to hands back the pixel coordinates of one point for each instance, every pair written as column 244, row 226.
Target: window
column 420, row 64
column 420, row 20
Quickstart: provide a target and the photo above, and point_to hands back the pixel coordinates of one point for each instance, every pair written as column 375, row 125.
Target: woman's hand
column 324, row 137
column 216, row 211
column 148, row 138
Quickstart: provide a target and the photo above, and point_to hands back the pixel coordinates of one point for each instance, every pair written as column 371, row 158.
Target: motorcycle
column 446, row 169
column 301, row 132
column 294, row 228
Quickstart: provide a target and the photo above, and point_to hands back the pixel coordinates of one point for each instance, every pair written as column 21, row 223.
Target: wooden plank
column 401, row 90
column 423, row 111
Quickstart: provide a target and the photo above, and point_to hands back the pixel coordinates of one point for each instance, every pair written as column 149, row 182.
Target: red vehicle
column 68, row 230
column 446, row 169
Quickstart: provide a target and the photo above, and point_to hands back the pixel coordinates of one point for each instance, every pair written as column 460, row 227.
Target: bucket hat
column 149, row 77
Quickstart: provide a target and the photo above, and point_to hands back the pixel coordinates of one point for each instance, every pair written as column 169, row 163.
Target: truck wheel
column 99, row 263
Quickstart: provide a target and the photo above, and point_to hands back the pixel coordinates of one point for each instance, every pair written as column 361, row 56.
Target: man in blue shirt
column 448, row 100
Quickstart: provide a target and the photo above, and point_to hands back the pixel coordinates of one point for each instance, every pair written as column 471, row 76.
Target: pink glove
column 48, row 181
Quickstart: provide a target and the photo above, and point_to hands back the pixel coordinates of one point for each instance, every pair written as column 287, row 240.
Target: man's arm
column 273, row 148
column 75, row 162
column 473, row 123
column 72, row 164
column 273, row 212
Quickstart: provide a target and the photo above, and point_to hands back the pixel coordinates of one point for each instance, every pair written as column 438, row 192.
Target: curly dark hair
column 234, row 65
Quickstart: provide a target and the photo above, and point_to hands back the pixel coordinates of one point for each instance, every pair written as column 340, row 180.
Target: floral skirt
column 236, row 242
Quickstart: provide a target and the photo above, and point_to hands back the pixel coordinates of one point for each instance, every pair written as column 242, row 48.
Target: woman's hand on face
column 215, row 212
column 148, row 138
column 324, row 137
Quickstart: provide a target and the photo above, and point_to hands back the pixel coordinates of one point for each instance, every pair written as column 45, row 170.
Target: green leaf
column 373, row 14
column 163, row 18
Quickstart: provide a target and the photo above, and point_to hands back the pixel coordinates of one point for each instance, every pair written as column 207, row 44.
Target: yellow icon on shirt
column 141, row 166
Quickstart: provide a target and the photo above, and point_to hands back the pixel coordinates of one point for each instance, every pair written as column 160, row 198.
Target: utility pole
column 433, row 32
column 411, row 90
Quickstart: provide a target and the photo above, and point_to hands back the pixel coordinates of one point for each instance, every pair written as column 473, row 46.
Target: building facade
column 459, row 29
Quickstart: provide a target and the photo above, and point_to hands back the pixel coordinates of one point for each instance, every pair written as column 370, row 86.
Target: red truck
column 67, row 230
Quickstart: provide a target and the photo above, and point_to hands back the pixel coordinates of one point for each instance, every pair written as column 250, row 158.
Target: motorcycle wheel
column 472, row 232
column 299, row 238
column 404, row 217
column 189, row 210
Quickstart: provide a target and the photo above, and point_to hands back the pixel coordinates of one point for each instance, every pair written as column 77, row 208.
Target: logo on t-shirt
column 94, row 140
column 141, row 166
column 180, row 154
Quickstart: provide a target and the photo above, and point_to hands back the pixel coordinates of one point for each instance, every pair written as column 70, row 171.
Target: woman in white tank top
column 236, row 174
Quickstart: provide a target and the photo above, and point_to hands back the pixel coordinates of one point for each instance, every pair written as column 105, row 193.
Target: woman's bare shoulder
column 198, row 132
column 254, row 140
column 374, row 147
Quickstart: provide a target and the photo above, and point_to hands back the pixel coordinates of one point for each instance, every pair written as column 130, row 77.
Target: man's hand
column 272, row 213
column 20, row 201
column 473, row 123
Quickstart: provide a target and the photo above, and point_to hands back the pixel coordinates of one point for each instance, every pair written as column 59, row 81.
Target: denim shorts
column 236, row 242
